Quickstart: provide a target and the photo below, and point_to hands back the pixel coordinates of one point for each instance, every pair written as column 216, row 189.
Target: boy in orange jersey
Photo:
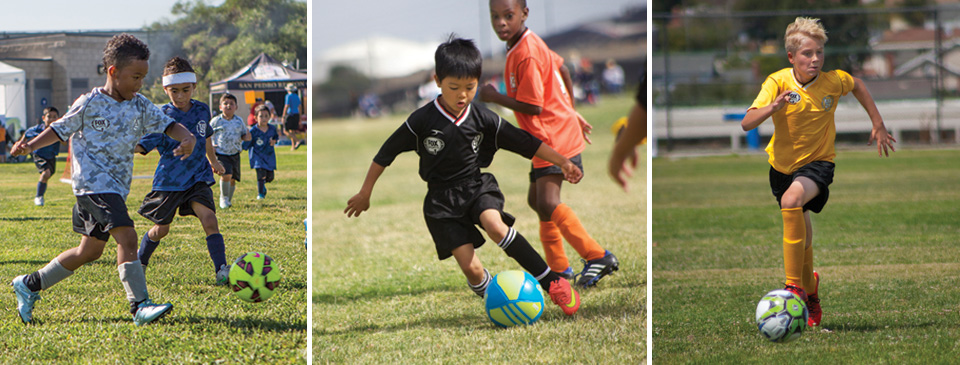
column 802, row 101
column 539, row 91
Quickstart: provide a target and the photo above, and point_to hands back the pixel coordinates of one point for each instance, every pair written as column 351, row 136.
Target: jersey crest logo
column 259, row 141
column 202, row 128
column 433, row 145
column 476, row 142
column 513, row 81
column 793, row 97
column 100, row 124
column 827, row 102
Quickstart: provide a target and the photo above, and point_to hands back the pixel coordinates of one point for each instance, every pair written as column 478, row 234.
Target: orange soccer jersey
column 532, row 75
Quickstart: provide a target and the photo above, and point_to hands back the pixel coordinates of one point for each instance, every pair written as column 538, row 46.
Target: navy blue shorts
column 44, row 164
column 161, row 206
column 231, row 165
column 96, row 214
column 821, row 172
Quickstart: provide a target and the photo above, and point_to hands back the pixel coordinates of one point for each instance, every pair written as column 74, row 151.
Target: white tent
column 378, row 57
column 13, row 85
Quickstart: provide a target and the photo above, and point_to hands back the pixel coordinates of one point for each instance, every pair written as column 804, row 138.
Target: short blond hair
column 804, row 27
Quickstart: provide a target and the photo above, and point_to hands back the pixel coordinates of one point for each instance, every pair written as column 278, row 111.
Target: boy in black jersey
column 454, row 139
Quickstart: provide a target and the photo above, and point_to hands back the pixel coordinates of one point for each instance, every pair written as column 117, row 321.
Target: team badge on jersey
column 793, row 97
column 433, row 145
column 100, row 124
column 259, row 141
column 827, row 102
column 202, row 128
column 476, row 142
column 513, row 81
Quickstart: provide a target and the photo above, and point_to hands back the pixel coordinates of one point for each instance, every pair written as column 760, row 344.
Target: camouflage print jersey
column 227, row 134
column 104, row 133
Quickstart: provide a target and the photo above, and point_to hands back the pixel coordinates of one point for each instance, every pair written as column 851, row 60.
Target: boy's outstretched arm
column 187, row 141
column 212, row 158
column 755, row 117
column 879, row 132
column 489, row 94
column 571, row 172
column 45, row 138
column 361, row 202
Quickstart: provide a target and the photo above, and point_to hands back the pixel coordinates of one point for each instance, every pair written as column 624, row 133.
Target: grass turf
column 381, row 296
column 884, row 246
column 85, row 318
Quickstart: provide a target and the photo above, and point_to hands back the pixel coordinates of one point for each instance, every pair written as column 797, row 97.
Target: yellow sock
column 576, row 235
column 794, row 233
column 809, row 282
column 552, row 242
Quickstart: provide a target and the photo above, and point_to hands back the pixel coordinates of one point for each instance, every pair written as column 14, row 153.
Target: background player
column 263, row 158
column 229, row 133
column 44, row 158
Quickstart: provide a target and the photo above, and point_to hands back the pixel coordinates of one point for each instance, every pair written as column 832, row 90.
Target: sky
column 339, row 22
column 71, row 15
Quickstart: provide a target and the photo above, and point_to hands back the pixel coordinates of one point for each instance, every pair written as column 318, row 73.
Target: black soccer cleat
column 594, row 270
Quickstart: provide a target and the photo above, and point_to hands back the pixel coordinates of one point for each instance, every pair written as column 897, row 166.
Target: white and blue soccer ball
column 781, row 316
column 514, row 297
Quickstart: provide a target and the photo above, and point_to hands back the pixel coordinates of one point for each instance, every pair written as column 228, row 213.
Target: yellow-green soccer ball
column 254, row 277
column 514, row 297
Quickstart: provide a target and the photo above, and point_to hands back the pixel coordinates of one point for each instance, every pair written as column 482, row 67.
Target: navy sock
column 33, row 281
column 517, row 247
column 147, row 246
column 41, row 188
column 217, row 250
column 262, row 187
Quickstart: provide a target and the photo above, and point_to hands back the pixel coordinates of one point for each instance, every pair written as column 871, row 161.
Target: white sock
column 52, row 274
column 134, row 282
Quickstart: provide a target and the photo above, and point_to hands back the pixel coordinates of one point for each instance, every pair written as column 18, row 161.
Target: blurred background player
column 112, row 119
column 44, row 158
column 802, row 101
column 623, row 159
column 183, row 184
column 229, row 132
column 454, row 138
column 291, row 116
column 262, row 156
column 539, row 92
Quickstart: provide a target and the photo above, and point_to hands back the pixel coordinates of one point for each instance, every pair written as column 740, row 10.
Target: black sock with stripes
column 517, row 247
column 481, row 289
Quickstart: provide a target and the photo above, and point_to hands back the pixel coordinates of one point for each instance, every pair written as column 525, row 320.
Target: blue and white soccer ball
column 781, row 316
column 514, row 297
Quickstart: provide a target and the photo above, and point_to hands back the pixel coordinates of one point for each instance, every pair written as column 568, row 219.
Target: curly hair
column 177, row 65
column 804, row 27
column 123, row 48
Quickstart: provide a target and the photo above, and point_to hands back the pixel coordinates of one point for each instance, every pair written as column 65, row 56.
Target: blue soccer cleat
column 594, row 270
column 148, row 312
column 25, row 299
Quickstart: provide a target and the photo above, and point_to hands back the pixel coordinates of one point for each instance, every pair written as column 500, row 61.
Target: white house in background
column 13, row 89
column 377, row 57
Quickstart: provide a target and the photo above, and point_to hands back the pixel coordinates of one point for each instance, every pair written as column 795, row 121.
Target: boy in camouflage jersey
column 229, row 132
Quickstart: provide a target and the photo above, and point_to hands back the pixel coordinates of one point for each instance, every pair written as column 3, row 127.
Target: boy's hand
column 488, row 92
column 140, row 150
column 571, row 172
column 780, row 101
column 621, row 167
column 218, row 168
column 357, row 204
column 273, row 142
column 884, row 140
column 585, row 127
column 20, row 148
column 186, row 147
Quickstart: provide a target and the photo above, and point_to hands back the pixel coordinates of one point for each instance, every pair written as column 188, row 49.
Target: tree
column 218, row 40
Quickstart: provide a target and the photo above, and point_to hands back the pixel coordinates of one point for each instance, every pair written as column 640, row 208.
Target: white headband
column 179, row 78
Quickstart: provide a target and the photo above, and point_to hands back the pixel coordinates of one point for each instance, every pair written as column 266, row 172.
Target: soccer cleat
column 261, row 197
column 594, row 270
column 148, row 312
column 38, row 201
column 796, row 290
column 25, row 299
column 567, row 274
column 223, row 275
column 563, row 295
column 229, row 202
column 223, row 202
column 813, row 303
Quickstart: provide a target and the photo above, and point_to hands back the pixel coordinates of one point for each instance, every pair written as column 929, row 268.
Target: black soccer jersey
column 452, row 148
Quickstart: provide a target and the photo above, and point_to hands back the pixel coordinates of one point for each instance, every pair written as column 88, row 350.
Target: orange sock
column 552, row 242
column 575, row 234
column 794, row 232
column 809, row 282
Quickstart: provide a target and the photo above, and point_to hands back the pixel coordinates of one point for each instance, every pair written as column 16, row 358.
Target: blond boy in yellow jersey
column 802, row 101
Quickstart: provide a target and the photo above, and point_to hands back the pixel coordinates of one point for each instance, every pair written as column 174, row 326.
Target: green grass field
column 85, row 318
column 381, row 296
column 886, row 246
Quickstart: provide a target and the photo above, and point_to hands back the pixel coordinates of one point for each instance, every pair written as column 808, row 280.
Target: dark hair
column 176, row 65
column 260, row 108
column 50, row 109
column 458, row 57
column 123, row 48
column 228, row 96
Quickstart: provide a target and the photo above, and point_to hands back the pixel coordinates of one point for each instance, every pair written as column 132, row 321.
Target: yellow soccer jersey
column 804, row 130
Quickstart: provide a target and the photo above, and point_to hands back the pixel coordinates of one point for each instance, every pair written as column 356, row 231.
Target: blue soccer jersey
column 105, row 132
column 262, row 155
column 47, row 153
column 174, row 174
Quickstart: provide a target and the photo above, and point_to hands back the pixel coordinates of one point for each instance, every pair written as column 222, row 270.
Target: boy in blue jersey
column 183, row 184
column 45, row 158
column 262, row 156
column 105, row 125
column 291, row 116
column 229, row 133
